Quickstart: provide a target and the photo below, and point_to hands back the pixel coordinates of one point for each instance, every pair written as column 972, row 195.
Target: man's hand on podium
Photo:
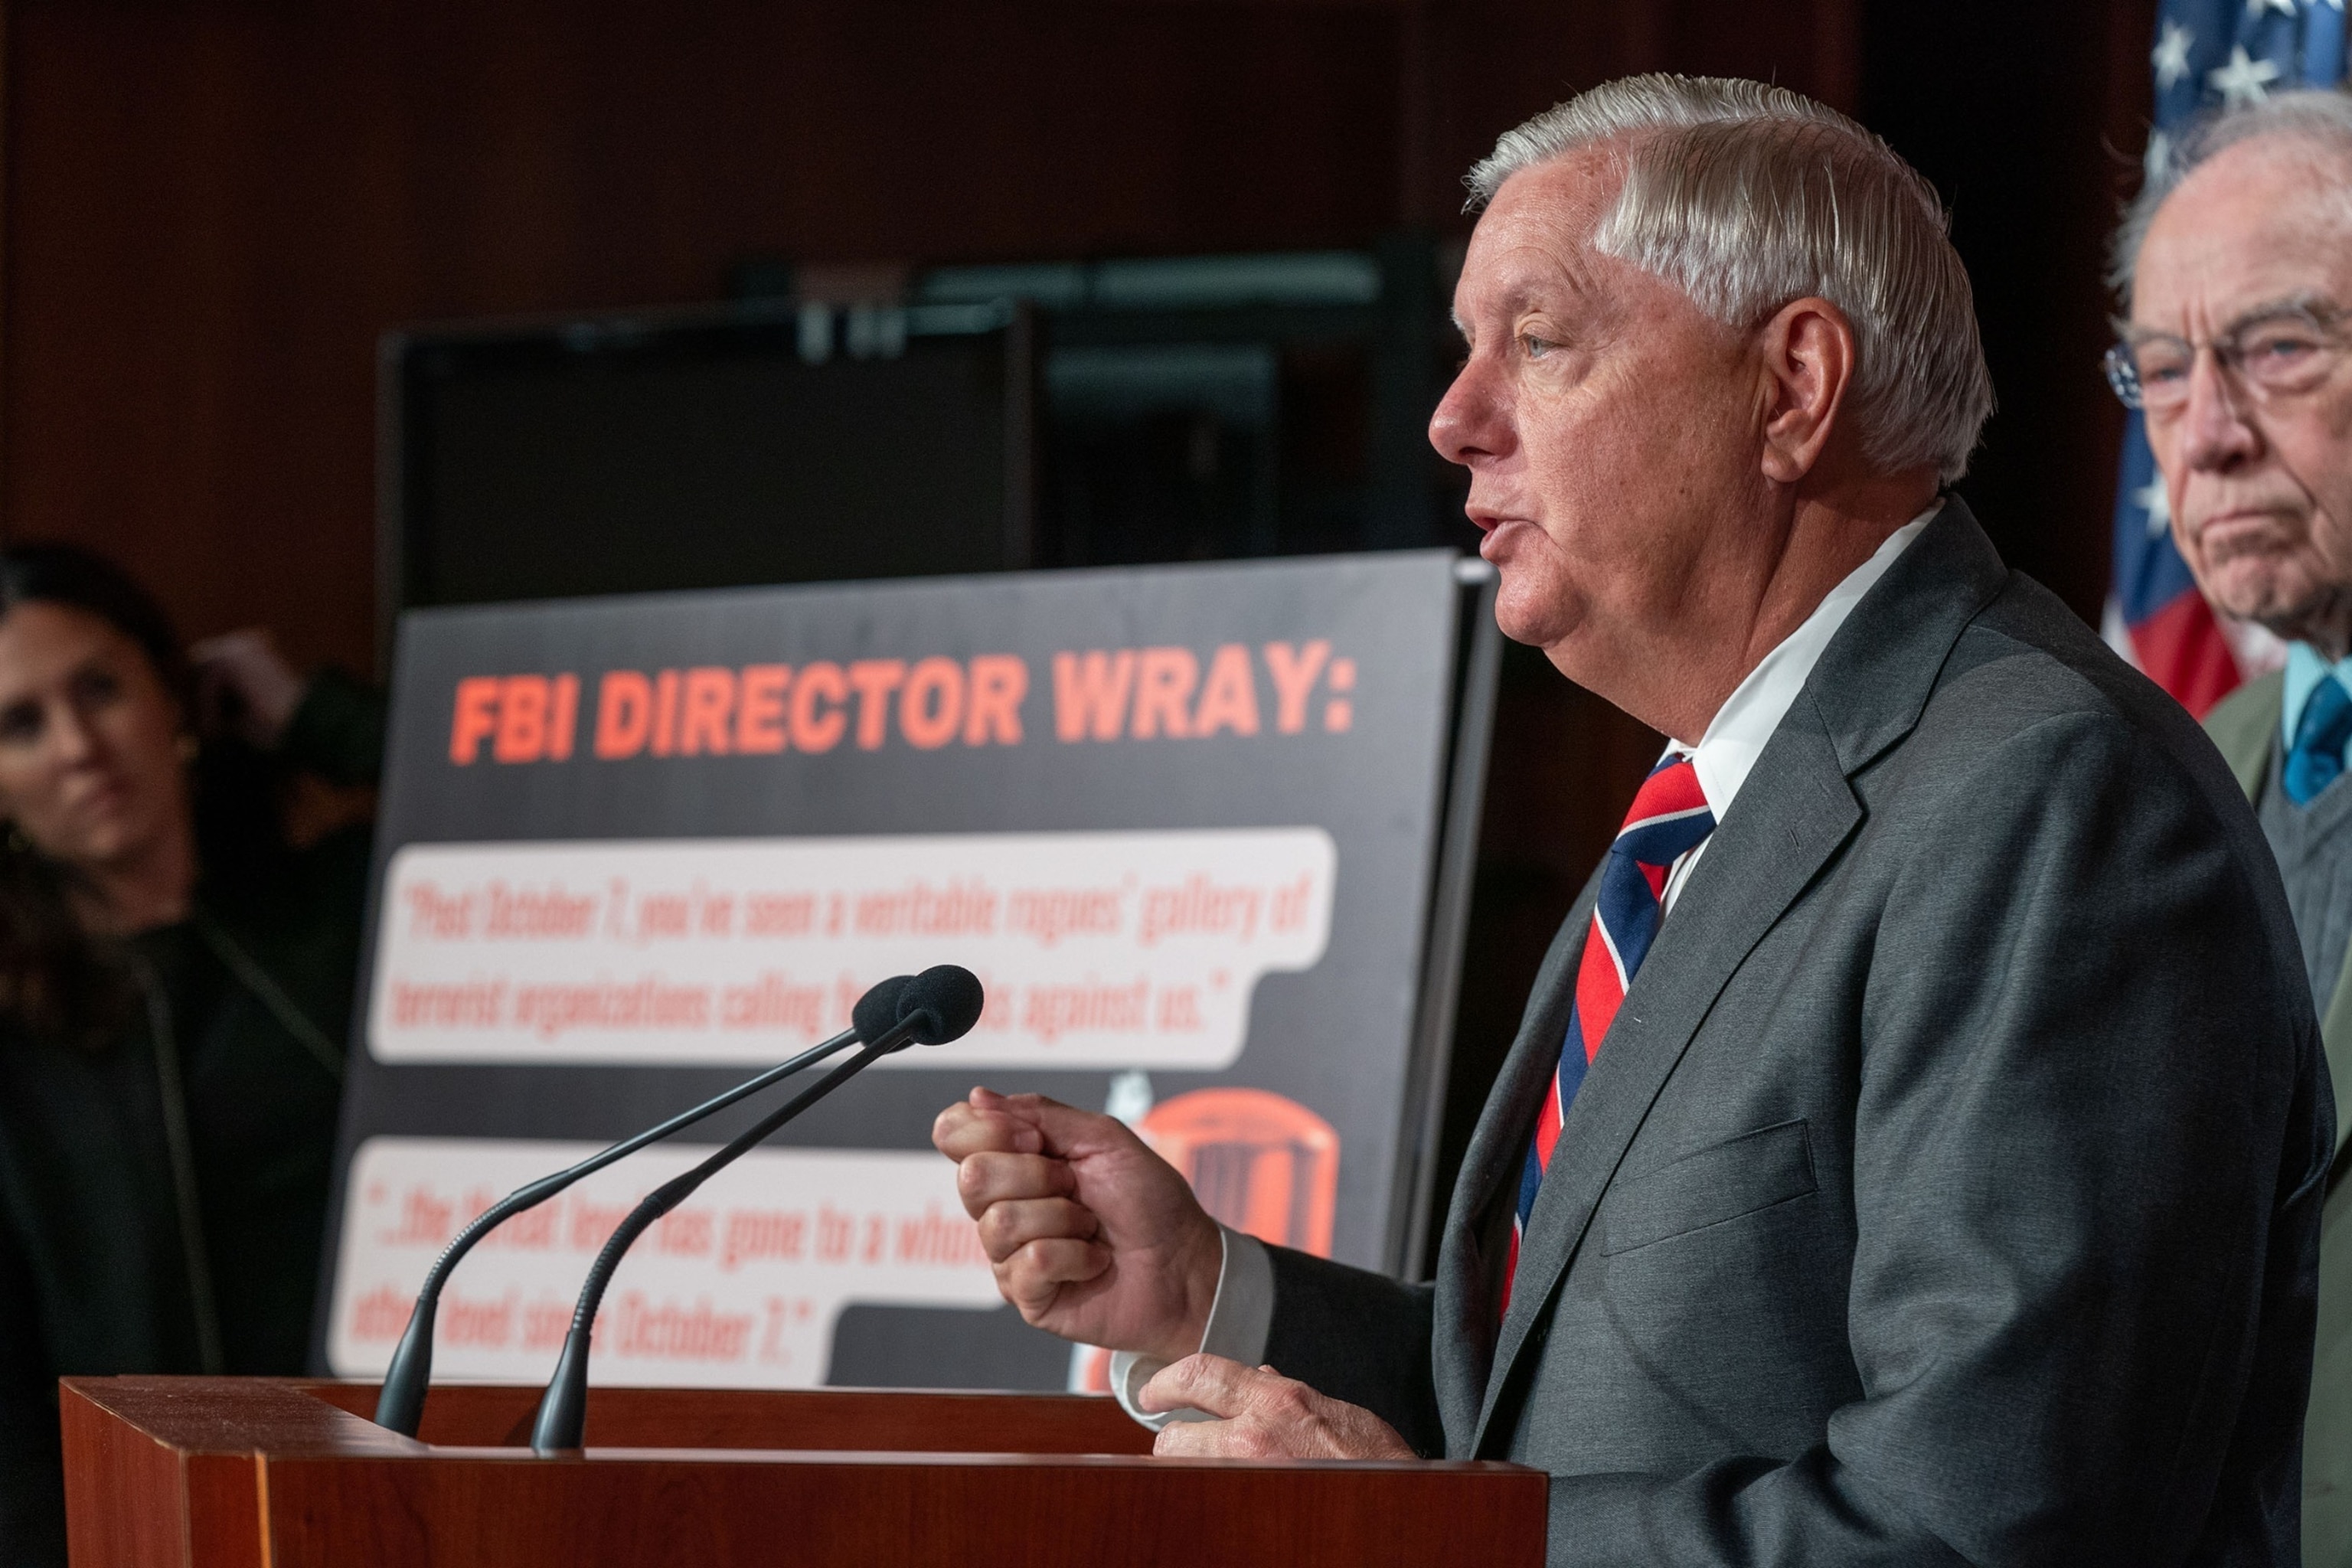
column 1092, row 1236
column 1262, row 1414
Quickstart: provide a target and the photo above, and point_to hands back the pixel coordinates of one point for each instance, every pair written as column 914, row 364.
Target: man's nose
column 2216, row 434
column 1469, row 422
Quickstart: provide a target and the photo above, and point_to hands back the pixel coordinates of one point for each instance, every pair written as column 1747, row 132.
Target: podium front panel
column 242, row 1473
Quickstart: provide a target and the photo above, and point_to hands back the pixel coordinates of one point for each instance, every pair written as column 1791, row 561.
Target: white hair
column 1747, row 196
column 2320, row 116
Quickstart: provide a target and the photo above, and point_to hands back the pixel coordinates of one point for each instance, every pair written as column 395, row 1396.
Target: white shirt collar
column 1737, row 735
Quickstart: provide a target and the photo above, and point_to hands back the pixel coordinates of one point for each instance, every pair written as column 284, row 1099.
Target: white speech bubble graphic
column 738, row 1287
column 1099, row 950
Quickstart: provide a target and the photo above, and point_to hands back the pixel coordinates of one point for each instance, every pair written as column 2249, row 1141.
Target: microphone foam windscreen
column 941, row 1003
column 880, row 1008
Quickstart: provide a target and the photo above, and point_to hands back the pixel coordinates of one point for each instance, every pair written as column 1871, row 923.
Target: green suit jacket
column 2246, row 728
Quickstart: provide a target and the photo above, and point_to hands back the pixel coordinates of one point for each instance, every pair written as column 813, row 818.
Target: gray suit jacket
column 1949, row 1189
column 2246, row 728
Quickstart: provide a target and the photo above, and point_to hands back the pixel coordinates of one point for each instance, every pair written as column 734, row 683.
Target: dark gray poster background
column 1339, row 1038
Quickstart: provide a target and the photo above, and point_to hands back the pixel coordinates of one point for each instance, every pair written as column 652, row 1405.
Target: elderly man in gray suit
column 1914, row 1147
column 2237, row 264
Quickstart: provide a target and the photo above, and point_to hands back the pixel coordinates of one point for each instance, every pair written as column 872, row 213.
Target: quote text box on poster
column 740, row 1287
column 1099, row 950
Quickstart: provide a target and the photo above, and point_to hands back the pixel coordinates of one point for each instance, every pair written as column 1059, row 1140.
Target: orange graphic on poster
column 1257, row 1162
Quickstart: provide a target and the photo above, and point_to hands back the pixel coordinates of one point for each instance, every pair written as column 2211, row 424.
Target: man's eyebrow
column 1520, row 294
column 1510, row 305
column 2309, row 304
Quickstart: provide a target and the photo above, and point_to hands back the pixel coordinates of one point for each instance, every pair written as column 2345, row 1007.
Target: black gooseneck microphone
column 939, row 1004
column 401, row 1404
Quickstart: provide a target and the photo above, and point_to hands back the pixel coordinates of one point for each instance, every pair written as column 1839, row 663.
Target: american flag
column 2208, row 52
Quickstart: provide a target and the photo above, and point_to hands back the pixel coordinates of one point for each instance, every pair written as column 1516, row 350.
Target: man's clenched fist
column 1092, row 1236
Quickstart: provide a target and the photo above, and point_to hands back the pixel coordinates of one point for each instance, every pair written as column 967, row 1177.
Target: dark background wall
column 212, row 208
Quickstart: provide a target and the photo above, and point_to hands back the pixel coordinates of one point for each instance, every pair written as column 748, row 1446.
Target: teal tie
column 2320, row 737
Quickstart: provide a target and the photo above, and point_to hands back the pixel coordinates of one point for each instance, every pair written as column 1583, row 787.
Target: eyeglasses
column 2279, row 353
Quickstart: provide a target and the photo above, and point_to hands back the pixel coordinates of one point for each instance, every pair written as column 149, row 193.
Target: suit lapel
column 2245, row 728
column 2335, row 1039
column 1791, row 816
column 1792, row 813
column 1498, row 1146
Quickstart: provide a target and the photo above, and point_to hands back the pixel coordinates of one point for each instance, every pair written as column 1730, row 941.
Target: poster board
column 1190, row 824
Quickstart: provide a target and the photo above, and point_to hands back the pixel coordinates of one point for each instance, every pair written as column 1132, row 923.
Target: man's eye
column 1536, row 347
column 2280, row 350
column 2159, row 367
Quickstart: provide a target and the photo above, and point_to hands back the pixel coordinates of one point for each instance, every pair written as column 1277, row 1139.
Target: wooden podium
column 190, row 1472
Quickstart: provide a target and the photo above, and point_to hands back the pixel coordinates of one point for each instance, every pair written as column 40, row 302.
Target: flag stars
column 2157, row 501
column 2243, row 79
column 2170, row 56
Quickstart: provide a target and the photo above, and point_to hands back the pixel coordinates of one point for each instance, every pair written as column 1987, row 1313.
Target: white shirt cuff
column 1240, row 1319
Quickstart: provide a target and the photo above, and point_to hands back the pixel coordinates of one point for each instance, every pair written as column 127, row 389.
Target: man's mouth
column 2245, row 531
column 1500, row 531
column 1491, row 523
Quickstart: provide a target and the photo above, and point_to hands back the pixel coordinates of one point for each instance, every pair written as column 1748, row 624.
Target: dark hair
column 55, row 979
column 84, row 580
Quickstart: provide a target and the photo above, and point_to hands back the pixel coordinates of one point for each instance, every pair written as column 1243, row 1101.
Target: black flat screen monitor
column 699, row 449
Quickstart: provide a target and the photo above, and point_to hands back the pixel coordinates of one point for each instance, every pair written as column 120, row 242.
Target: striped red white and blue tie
column 1669, row 819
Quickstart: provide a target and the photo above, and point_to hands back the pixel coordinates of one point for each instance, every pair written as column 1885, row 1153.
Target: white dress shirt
column 1243, row 1313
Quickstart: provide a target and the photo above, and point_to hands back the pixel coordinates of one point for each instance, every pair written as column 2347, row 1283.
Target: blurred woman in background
column 184, row 852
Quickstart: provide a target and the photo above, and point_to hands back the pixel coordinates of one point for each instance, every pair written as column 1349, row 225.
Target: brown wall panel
column 1492, row 63
column 2035, row 148
column 214, row 209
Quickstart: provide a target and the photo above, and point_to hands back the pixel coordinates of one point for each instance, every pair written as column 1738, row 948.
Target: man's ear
column 1809, row 362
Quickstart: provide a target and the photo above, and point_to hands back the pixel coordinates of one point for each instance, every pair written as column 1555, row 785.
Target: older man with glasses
column 2237, row 261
